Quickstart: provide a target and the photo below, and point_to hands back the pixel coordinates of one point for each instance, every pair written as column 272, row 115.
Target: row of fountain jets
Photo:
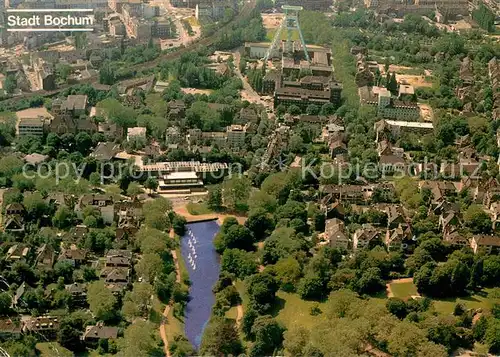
column 192, row 257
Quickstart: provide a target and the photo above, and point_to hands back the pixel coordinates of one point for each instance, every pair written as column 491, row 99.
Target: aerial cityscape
column 316, row 178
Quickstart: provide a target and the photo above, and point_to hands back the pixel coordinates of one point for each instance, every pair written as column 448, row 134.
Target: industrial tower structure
column 290, row 23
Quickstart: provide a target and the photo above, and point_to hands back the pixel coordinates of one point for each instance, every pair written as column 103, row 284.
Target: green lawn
column 50, row 349
column 404, row 290
column 271, row 32
column 294, row 311
column 198, row 208
column 173, row 326
column 182, row 266
column 482, row 300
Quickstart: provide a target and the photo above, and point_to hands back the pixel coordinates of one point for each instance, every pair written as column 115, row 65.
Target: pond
column 202, row 263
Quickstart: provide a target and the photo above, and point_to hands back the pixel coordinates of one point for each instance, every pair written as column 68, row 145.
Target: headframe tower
column 290, row 23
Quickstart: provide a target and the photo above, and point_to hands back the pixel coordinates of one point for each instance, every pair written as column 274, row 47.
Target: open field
column 271, row 21
column 482, row 300
column 50, row 349
column 414, row 80
column 196, row 91
column 271, row 32
column 403, row 290
column 293, row 311
column 198, row 208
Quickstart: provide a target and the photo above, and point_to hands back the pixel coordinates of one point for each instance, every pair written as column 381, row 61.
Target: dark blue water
column 203, row 273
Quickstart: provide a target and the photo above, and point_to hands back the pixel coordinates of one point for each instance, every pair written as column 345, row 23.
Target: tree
column 397, row 307
column 221, row 338
column 181, row 347
column 71, row 329
column 63, row 217
column 101, row 301
column 151, row 184
column 294, row 110
column 261, row 200
column 134, row 189
column 214, row 201
column 260, row 223
column 477, row 219
column 137, row 302
column 484, row 17
column 296, row 339
column 5, row 303
column 236, row 236
column 179, row 224
column 312, row 109
column 35, row 204
column 492, row 335
column 262, row 288
column 288, row 272
column 10, row 84
column 392, row 85
column 140, row 339
column 235, row 192
column 268, row 336
column 238, row 262
column 149, row 266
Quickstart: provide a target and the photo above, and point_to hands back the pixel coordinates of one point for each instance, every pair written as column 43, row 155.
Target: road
column 248, row 93
column 204, row 42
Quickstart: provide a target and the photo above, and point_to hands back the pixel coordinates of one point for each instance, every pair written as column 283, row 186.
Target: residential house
column 17, row 253
column 332, row 208
column 14, row 218
column 47, row 326
column 399, row 238
column 456, row 238
column 337, row 147
column 119, row 258
column 173, row 135
column 76, row 256
column 492, row 190
column 486, row 243
column 10, row 329
column 116, row 278
column 103, row 203
column 365, row 237
column 77, row 234
column 176, row 109
column 385, row 148
column 105, row 151
column 336, row 234
column 78, row 293
column 70, row 116
column 391, row 163
column 94, row 333
column 448, row 220
column 347, row 193
column 395, row 216
column 45, row 257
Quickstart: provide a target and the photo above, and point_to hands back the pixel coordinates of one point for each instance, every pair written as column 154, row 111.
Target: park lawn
column 182, row 267
column 404, row 290
column 197, row 209
column 480, row 300
column 232, row 313
column 271, row 32
column 174, row 326
column 296, row 312
column 50, row 349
